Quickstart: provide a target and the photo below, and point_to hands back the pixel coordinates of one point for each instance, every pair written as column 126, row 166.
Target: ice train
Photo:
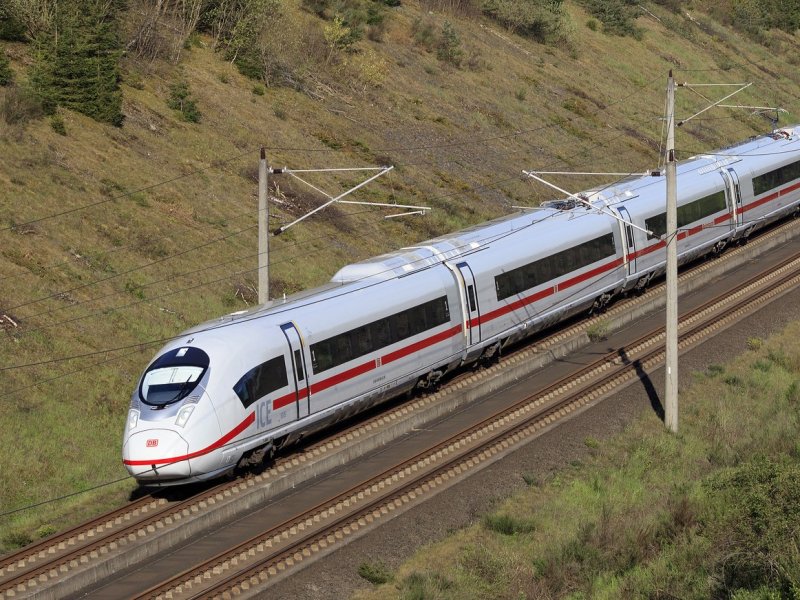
column 231, row 390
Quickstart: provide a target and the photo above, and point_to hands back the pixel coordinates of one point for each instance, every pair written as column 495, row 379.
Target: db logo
column 152, row 443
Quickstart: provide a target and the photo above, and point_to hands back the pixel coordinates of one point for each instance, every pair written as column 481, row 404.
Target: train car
column 231, row 391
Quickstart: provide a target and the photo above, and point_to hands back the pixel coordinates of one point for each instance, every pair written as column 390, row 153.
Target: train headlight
column 133, row 418
column 184, row 414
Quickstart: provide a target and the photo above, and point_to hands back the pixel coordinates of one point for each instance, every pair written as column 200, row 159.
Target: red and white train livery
column 248, row 383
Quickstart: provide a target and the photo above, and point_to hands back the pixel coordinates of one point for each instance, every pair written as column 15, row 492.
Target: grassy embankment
column 80, row 283
column 713, row 512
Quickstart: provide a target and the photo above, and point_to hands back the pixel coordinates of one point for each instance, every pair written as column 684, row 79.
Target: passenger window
column 261, row 380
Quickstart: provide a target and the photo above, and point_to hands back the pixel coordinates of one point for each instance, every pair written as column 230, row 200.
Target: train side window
column 373, row 336
column 776, row 178
column 688, row 213
column 261, row 380
column 556, row 265
column 656, row 225
column 471, row 294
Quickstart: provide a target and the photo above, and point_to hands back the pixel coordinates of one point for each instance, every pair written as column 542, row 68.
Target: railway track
column 251, row 566
column 45, row 568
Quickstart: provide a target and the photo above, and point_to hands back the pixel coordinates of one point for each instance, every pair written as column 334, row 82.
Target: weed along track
column 251, row 565
column 86, row 556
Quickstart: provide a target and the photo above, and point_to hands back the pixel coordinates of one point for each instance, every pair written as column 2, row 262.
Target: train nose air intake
column 156, row 454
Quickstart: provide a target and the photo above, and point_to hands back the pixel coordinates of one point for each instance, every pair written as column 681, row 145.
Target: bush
column 11, row 27
column 449, row 47
column 6, row 74
column 21, row 105
column 376, row 573
column 617, row 16
column 424, row 33
column 757, row 528
column 507, row 525
column 180, row 99
column 541, row 20
column 597, row 332
column 58, row 125
column 357, row 16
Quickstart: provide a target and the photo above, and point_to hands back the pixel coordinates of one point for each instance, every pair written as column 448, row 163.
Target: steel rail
column 724, row 308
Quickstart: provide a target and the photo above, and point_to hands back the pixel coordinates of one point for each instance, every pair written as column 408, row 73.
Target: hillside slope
column 113, row 238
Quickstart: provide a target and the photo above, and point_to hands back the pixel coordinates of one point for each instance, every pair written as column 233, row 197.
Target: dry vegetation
column 117, row 237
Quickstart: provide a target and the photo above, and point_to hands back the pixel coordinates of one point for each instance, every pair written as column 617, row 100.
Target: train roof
column 756, row 151
column 461, row 243
column 448, row 247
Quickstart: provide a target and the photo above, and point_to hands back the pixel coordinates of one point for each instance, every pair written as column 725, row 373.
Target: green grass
column 710, row 512
column 168, row 185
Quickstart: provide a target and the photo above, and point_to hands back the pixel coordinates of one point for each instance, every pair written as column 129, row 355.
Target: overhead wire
column 175, row 276
column 152, row 342
column 516, row 176
column 418, row 148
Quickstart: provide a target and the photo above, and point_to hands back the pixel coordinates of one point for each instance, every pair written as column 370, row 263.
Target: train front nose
column 156, row 455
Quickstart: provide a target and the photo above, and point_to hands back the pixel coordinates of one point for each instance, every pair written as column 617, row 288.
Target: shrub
column 507, row 525
column 58, row 125
column 369, row 69
column 11, row 27
column 6, row 74
column 21, row 105
column 449, row 47
column 355, row 15
column 598, row 331
column 46, row 530
column 757, row 529
column 530, row 480
column 541, row 20
column 374, row 572
column 424, row 585
column 424, row 34
column 16, row 539
column 617, row 16
column 180, row 99
column 338, row 36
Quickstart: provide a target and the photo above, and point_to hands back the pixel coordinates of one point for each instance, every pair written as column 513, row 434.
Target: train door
column 629, row 240
column 734, row 194
column 471, row 308
column 299, row 371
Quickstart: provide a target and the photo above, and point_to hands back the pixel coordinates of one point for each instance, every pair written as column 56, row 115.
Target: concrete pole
column 671, row 391
column 263, row 231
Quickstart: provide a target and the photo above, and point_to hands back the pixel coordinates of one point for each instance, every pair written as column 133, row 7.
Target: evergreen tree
column 77, row 63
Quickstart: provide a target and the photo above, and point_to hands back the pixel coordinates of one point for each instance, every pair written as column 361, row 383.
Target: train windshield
column 173, row 376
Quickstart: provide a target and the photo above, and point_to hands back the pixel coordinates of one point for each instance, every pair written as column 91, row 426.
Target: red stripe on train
column 219, row 443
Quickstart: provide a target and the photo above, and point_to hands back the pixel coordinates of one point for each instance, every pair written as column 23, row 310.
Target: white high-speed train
column 233, row 389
